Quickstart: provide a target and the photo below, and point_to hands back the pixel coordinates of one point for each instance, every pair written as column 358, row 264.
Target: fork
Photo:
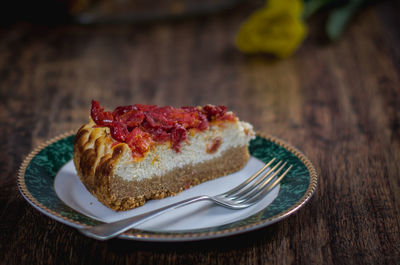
column 248, row 193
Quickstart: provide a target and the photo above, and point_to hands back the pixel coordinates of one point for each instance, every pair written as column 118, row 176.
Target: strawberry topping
column 140, row 126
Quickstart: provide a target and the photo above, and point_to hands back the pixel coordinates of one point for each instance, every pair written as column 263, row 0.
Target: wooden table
column 338, row 103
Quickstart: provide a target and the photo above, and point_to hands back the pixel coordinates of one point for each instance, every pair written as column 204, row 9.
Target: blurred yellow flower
column 277, row 29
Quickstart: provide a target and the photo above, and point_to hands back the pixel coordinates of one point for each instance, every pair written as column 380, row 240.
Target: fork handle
column 109, row 230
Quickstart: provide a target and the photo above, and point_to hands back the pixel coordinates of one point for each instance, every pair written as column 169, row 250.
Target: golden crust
column 95, row 158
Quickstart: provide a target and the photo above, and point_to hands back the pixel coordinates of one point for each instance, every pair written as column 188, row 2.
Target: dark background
column 337, row 102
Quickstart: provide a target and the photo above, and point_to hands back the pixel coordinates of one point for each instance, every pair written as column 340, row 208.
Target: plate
column 47, row 180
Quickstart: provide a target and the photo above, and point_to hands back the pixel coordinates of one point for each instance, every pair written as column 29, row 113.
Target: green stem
column 339, row 18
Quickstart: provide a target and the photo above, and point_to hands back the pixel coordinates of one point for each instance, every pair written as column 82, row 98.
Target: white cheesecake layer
column 163, row 159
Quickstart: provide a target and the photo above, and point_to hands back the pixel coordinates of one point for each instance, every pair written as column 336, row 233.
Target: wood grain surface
column 338, row 103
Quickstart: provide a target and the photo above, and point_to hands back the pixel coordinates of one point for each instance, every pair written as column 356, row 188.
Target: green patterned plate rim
column 38, row 170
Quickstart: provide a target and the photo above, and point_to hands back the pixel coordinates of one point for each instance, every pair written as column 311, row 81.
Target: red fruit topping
column 118, row 131
column 217, row 113
column 140, row 126
column 139, row 142
column 99, row 116
column 215, row 144
column 178, row 134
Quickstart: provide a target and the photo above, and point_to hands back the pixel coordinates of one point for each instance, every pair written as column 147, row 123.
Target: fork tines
column 259, row 184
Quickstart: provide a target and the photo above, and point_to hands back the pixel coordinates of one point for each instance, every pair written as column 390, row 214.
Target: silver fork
column 242, row 196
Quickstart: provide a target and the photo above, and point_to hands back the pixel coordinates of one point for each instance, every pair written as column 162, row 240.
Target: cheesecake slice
column 141, row 152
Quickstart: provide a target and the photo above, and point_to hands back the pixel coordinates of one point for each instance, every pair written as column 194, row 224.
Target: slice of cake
column 141, row 152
